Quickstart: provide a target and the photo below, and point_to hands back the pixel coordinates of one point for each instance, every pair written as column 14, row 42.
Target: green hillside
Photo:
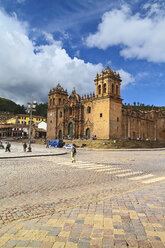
column 7, row 105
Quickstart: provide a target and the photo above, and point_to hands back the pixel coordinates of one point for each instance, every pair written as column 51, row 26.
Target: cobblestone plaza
column 106, row 199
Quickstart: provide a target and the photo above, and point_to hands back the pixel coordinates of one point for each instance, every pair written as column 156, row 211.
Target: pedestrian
column 24, row 146
column 73, row 153
column 47, row 144
column 8, row 145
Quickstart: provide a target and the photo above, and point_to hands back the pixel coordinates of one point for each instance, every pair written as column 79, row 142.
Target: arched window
column 59, row 100
column 117, row 90
column 112, row 88
column 70, row 129
column 88, row 110
column 60, row 114
column 53, row 101
column 60, row 134
column 104, row 88
column 99, row 89
column 70, row 111
column 88, row 133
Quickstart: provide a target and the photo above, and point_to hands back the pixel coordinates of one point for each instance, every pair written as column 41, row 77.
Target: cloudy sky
column 45, row 42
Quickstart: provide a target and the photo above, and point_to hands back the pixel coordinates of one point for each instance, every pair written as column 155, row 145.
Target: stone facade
column 101, row 114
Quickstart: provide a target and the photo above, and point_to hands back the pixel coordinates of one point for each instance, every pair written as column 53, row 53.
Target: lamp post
column 31, row 107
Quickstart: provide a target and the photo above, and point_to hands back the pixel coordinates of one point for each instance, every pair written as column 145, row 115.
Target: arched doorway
column 88, row 133
column 70, row 129
column 60, row 134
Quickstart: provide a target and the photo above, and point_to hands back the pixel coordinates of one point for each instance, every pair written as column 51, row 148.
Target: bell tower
column 58, row 98
column 107, row 105
column 107, row 84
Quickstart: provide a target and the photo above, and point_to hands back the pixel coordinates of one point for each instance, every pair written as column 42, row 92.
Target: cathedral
column 101, row 114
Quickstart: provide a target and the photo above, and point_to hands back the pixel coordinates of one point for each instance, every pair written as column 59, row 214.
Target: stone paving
column 134, row 219
column 105, row 199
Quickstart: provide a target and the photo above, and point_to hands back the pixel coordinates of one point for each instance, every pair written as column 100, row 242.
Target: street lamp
column 31, row 107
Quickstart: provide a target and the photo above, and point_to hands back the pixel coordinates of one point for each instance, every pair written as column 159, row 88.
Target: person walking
column 47, row 144
column 73, row 153
column 8, row 145
column 24, row 146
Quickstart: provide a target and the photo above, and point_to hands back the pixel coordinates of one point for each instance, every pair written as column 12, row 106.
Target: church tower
column 107, row 84
column 58, row 98
column 107, row 105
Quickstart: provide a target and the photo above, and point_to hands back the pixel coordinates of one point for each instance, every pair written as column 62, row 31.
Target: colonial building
column 18, row 126
column 100, row 114
column 24, row 119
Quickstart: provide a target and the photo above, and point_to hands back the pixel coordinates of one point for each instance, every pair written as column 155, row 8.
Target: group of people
column 73, row 149
column 7, row 146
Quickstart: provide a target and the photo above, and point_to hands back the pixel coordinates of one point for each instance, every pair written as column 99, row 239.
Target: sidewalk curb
column 119, row 149
column 35, row 155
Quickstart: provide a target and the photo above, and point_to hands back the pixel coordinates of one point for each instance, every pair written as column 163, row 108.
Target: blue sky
column 45, row 42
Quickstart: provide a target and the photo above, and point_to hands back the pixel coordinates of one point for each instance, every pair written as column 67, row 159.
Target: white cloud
column 77, row 53
column 126, row 77
column 138, row 37
column 27, row 70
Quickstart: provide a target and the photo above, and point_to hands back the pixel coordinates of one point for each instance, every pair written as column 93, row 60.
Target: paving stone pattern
column 133, row 219
column 105, row 199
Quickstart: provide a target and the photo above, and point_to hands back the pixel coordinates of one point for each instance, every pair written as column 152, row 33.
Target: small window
column 117, row 119
column 59, row 100
column 60, row 114
column 24, row 122
column 99, row 89
column 117, row 90
column 18, row 122
column 53, row 101
column 112, row 88
column 88, row 110
column 63, row 101
column 50, row 101
column 101, row 115
column 24, row 118
column 70, row 111
column 104, row 88
column 50, row 121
